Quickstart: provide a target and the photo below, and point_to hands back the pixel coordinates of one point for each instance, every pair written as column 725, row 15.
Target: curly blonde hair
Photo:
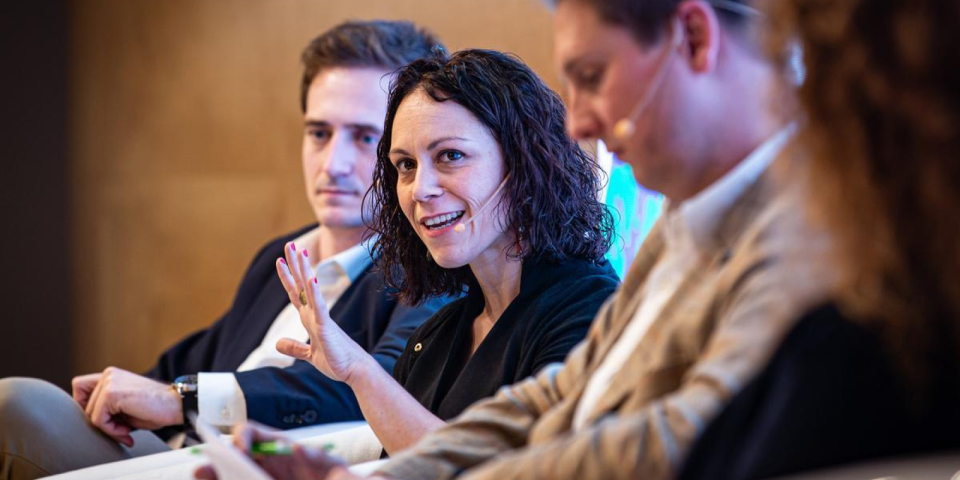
column 882, row 99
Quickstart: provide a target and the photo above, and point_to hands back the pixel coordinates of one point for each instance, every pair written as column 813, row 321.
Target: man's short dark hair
column 648, row 20
column 372, row 44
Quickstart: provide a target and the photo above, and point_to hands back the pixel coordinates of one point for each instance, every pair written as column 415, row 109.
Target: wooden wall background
column 185, row 147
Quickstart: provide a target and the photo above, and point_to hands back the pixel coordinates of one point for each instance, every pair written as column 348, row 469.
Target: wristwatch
column 186, row 386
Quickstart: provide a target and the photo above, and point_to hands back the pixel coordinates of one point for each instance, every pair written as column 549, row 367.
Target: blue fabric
column 635, row 209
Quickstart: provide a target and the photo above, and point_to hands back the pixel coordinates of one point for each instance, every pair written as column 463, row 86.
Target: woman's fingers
column 293, row 348
column 293, row 263
column 296, row 276
column 297, row 258
column 293, row 272
column 315, row 300
column 289, row 284
column 303, row 268
column 316, row 323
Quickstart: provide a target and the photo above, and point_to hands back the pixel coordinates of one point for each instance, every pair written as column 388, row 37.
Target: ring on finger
column 303, row 298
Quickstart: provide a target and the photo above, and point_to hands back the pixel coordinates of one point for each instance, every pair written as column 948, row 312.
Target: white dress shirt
column 687, row 236
column 220, row 398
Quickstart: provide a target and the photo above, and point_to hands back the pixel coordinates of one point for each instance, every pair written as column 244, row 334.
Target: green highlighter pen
column 271, row 448
column 277, row 448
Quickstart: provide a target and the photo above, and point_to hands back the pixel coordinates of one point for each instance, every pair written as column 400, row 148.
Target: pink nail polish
column 304, row 253
column 293, row 246
column 314, row 279
column 283, row 261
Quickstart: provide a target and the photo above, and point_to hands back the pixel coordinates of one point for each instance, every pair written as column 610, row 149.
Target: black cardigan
column 552, row 313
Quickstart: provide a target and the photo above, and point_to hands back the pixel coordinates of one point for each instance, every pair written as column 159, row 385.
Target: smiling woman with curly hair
column 478, row 191
column 549, row 207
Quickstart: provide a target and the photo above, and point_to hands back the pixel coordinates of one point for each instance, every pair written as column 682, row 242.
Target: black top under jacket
column 829, row 396
column 298, row 395
column 552, row 313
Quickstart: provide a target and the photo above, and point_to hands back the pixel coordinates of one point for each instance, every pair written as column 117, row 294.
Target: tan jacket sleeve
column 651, row 442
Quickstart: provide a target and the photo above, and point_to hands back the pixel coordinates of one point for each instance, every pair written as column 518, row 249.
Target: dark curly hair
column 553, row 185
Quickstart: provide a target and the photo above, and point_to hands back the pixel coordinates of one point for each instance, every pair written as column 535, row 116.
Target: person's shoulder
column 826, row 328
column 574, row 278
column 779, row 222
column 576, row 292
column 782, row 246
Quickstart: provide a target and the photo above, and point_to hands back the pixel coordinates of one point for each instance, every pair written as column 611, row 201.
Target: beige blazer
column 766, row 268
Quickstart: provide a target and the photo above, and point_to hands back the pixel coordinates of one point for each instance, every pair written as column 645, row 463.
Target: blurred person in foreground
column 682, row 90
column 876, row 373
column 231, row 370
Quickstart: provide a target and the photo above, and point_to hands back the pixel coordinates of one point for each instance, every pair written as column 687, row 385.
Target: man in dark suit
column 230, row 371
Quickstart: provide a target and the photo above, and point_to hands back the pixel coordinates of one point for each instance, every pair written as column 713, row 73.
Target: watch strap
column 187, row 387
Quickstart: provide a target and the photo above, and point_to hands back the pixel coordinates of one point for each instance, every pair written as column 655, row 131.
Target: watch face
column 185, row 384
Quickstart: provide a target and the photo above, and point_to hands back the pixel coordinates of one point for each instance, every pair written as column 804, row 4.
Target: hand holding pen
column 281, row 457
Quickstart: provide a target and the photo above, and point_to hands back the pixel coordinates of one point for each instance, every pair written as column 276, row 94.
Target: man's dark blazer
column 298, row 395
column 829, row 396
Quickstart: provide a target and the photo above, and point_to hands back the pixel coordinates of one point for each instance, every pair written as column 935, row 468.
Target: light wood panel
column 185, row 141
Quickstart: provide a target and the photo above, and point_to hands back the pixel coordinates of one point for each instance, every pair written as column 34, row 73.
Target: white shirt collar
column 699, row 216
column 352, row 261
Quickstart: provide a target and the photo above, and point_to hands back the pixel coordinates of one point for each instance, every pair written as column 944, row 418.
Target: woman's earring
column 429, row 257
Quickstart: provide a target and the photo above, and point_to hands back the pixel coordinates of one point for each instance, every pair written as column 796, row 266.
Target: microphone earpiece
column 462, row 227
column 626, row 127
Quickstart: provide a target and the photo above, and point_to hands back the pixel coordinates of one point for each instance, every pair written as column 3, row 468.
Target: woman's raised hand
column 330, row 350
